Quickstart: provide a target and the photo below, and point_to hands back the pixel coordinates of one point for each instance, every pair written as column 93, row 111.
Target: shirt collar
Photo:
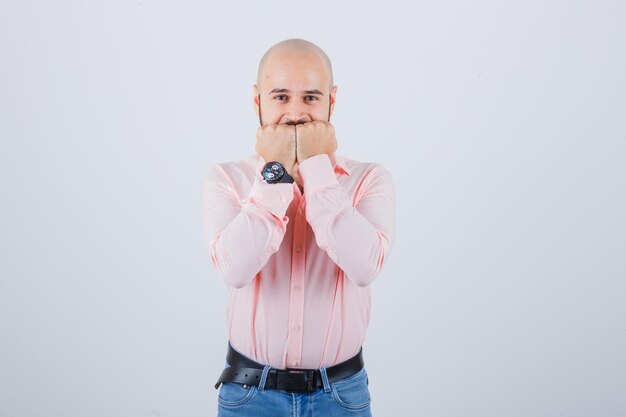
column 339, row 163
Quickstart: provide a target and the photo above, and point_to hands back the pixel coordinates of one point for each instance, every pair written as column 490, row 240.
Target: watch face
column 273, row 172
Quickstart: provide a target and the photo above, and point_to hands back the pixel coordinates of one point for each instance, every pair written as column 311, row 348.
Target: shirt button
column 299, row 210
column 296, row 327
column 283, row 198
column 298, row 248
column 296, row 288
column 294, row 363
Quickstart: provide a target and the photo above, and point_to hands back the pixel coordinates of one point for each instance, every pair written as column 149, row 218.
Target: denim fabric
column 349, row 396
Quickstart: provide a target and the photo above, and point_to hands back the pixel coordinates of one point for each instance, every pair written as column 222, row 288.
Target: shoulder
column 362, row 168
column 238, row 172
column 368, row 179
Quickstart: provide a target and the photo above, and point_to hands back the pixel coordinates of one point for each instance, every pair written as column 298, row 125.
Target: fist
column 314, row 138
column 278, row 143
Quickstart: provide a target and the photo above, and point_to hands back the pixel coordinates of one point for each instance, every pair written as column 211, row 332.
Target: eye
column 311, row 98
column 280, row 97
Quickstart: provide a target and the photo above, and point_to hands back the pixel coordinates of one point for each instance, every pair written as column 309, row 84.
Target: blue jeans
column 349, row 396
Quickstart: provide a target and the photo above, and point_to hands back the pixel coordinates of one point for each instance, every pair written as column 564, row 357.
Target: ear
column 255, row 98
column 333, row 92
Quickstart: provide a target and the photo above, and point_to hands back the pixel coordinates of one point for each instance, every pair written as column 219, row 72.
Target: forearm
column 357, row 238
column 350, row 240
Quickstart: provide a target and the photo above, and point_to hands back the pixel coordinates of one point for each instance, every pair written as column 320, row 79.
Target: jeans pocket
column 232, row 394
column 352, row 392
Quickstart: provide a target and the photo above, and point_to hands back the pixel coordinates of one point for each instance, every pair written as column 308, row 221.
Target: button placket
column 296, row 303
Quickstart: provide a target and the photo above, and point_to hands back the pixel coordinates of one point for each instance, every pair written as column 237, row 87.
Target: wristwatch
column 274, row 172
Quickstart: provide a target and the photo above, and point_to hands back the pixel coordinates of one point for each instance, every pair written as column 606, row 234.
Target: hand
column 314, row 138
column 278, row 143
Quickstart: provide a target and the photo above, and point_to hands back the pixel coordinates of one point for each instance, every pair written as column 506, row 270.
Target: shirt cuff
column 275, row 198
column 317, row 172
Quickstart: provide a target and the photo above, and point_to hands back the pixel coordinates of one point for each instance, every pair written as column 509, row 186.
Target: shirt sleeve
column 241, row 234
column 358, row 238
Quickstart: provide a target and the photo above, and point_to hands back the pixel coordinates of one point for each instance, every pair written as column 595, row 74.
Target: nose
column 296, row 113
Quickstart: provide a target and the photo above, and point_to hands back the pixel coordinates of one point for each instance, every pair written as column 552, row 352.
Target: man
column 298, row 233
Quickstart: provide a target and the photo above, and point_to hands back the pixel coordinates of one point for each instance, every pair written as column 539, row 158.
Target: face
column 294, row 89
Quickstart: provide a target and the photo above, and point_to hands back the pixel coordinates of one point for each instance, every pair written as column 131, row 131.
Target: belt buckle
column 303, row 384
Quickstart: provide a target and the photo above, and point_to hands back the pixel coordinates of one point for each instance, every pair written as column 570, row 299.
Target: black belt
column 244, row 370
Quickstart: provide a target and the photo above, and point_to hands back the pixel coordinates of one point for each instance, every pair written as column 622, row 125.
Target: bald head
column 293, row 49
column 294, row 84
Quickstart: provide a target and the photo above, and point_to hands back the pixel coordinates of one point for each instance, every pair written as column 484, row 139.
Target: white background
column 503, row 124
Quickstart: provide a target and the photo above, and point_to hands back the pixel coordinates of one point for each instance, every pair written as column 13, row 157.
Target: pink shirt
column 298, row 265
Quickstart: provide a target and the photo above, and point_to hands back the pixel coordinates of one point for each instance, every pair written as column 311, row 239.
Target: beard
column 292, row 123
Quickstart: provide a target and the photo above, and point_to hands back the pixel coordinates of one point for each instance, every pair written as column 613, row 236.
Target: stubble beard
column 293, row 123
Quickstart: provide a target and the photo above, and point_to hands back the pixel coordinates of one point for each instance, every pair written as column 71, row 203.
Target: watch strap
column 286, row 178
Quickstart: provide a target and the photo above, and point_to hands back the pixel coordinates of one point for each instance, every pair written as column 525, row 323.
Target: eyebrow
column 284, row 90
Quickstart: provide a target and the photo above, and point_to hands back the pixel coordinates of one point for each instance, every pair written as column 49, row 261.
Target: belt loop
column 266, row 370
column 325, row 380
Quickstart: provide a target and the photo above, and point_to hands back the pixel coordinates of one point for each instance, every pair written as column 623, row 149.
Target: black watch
column 275, row 172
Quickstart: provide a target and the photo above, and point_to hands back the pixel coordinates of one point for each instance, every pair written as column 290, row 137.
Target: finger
column 295, row 140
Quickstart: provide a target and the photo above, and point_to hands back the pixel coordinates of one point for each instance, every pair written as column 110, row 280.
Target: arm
column 358, row 239
column 241, row 235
